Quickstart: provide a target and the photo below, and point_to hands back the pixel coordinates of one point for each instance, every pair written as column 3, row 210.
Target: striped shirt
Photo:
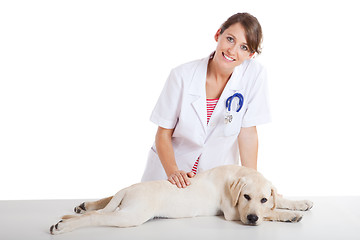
column 210, row 106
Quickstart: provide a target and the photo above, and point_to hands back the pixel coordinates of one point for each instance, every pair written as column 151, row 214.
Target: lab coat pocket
column 233, row 127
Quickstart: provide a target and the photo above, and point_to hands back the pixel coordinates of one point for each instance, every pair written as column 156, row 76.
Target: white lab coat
column 182, row 105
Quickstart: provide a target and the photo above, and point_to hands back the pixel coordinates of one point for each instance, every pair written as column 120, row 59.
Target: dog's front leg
column 302, row 205
column 282, row 216
column 231, row 213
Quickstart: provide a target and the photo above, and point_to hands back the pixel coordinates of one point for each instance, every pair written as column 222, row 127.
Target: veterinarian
column 208, row 110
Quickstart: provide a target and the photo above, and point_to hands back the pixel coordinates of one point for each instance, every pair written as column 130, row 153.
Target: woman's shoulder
column 252, row 65
column 189, row 67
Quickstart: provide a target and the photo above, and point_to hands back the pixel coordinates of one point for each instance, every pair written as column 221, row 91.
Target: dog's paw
column 65, row 225
column 285, row 216
column 57, row 228
column 304, row 205
column 294, row 217
column 309, row 205
column 80, row 209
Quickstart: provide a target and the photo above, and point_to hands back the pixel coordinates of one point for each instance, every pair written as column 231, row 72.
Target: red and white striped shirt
column 210, row 106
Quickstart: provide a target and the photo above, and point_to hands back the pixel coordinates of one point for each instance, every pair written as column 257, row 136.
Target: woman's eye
column 230, row 39
column 244, row 47
column 247, row 197
column 264, row 200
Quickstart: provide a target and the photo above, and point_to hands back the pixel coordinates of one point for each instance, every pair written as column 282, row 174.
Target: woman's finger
column 171, row 180
column 185, row 177
column 181, row 179
column 177, row 181
column 191, row 174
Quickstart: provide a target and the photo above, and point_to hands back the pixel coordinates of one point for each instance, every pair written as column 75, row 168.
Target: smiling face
column 232, row 48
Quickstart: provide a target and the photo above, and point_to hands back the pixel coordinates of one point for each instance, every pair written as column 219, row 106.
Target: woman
column 197, row 129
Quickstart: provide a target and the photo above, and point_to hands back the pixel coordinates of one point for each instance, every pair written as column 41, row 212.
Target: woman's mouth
column 228, row 58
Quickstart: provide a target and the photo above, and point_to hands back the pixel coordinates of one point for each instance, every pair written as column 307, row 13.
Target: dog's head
column 253, row 196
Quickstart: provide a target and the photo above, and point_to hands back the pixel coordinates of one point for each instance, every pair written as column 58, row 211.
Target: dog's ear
column 273, row 194
column 235, row 189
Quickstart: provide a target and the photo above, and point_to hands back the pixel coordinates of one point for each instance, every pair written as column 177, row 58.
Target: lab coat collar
column 198, row 83
column 234, row 85
column 235, row 82
column 197, row 88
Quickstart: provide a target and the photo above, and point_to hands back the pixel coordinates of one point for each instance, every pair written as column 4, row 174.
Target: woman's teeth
column 228, row 58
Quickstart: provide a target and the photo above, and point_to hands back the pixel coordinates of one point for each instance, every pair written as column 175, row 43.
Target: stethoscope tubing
column 230, row 99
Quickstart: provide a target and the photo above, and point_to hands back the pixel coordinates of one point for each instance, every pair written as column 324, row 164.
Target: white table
column 330, row 218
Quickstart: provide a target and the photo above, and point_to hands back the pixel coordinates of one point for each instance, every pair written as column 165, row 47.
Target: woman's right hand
column 166, row 154
column 180, row 178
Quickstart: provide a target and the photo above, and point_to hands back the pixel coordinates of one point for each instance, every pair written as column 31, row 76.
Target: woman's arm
column 248, row 147
column 166, row 154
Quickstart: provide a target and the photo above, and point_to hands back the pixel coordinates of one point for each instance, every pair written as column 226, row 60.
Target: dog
column 239, row 193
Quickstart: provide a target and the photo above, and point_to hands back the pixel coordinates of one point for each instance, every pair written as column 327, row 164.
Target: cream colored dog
column 238, row 193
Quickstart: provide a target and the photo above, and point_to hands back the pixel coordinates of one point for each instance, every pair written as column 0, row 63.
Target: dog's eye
column 264, row 200
column 247, row 197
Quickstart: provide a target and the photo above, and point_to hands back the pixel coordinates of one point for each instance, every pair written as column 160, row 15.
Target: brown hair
column 253, row 32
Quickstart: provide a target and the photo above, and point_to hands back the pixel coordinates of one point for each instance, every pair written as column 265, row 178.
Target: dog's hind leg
column 91, row 206
column 123, row 218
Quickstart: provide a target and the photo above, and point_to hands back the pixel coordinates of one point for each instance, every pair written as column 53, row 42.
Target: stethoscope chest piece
column 228, row 115
column 228, row 118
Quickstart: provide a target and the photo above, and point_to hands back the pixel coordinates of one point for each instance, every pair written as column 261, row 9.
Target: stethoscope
column 228, row 115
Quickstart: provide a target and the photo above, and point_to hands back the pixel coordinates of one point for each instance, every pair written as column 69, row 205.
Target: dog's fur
column 239, row 193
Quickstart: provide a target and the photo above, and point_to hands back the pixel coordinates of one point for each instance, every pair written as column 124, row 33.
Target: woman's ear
column 251, row 54
column 217, row 34
column 235, row 189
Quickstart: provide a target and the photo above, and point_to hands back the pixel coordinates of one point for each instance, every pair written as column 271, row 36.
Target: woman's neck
column 217, row 73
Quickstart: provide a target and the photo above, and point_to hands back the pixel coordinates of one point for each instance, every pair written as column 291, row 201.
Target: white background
column 79, row 79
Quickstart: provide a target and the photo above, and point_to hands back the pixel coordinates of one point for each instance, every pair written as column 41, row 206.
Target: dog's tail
column 115, row 201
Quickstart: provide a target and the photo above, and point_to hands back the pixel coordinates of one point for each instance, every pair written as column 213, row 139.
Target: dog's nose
column 252, row 218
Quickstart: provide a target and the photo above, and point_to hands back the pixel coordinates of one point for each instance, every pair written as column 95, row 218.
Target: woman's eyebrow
column 232, row 36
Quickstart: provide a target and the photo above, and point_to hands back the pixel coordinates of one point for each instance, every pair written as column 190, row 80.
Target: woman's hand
column 165, row 152
column 180, row 178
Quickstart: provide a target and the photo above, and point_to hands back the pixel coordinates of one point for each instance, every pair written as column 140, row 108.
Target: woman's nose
column 231, row 50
